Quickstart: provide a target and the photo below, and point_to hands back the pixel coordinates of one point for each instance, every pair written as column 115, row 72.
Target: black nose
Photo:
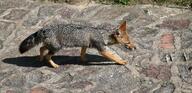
column 134, row 48
column 131, row 48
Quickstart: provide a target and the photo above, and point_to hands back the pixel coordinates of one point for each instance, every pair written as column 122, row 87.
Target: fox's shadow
column 32, row 61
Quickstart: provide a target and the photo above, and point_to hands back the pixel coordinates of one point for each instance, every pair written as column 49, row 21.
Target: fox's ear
column 122, row 27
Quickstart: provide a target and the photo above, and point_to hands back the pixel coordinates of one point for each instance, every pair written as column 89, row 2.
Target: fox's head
column 121, row 36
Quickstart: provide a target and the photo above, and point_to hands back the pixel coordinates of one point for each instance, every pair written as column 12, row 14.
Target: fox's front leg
column 83, row 52
column 114, row 57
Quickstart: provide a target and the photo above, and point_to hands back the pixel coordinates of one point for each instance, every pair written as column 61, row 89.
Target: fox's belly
column 74, row 42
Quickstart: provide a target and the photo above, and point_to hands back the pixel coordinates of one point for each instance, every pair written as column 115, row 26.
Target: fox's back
column 73, row 35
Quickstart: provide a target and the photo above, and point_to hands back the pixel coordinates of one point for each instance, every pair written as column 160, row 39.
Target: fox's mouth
column 130, row 46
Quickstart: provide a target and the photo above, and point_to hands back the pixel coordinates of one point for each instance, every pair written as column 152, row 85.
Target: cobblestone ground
column 161, row 63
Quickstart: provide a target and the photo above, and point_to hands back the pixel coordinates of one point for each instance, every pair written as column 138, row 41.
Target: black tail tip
column 22, row 50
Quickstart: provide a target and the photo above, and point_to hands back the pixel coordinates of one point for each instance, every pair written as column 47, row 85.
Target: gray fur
column 56, row 36
column 73, row 35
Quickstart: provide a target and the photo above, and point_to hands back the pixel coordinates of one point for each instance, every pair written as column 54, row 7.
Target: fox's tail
column 31, row 41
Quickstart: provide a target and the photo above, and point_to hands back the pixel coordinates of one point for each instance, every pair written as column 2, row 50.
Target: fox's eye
column 117, row 33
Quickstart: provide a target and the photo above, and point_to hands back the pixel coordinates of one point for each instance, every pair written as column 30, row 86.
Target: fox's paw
column 41, row 58
column 123, row 62
column 55, row 65
column 82, row 59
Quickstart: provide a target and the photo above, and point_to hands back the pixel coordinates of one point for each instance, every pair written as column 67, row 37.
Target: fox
column 56, row 36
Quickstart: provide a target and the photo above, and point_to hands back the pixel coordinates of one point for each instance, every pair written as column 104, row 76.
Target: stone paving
column 160, row 64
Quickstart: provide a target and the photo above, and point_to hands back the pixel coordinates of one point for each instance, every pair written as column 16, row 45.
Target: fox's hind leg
column 42, row 52
column 83, row 52
column 51, row 62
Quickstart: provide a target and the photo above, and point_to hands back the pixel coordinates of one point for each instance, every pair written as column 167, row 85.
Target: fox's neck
column 111, row 40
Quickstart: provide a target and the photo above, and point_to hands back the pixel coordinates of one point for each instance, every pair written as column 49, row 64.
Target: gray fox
column 56, row 36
